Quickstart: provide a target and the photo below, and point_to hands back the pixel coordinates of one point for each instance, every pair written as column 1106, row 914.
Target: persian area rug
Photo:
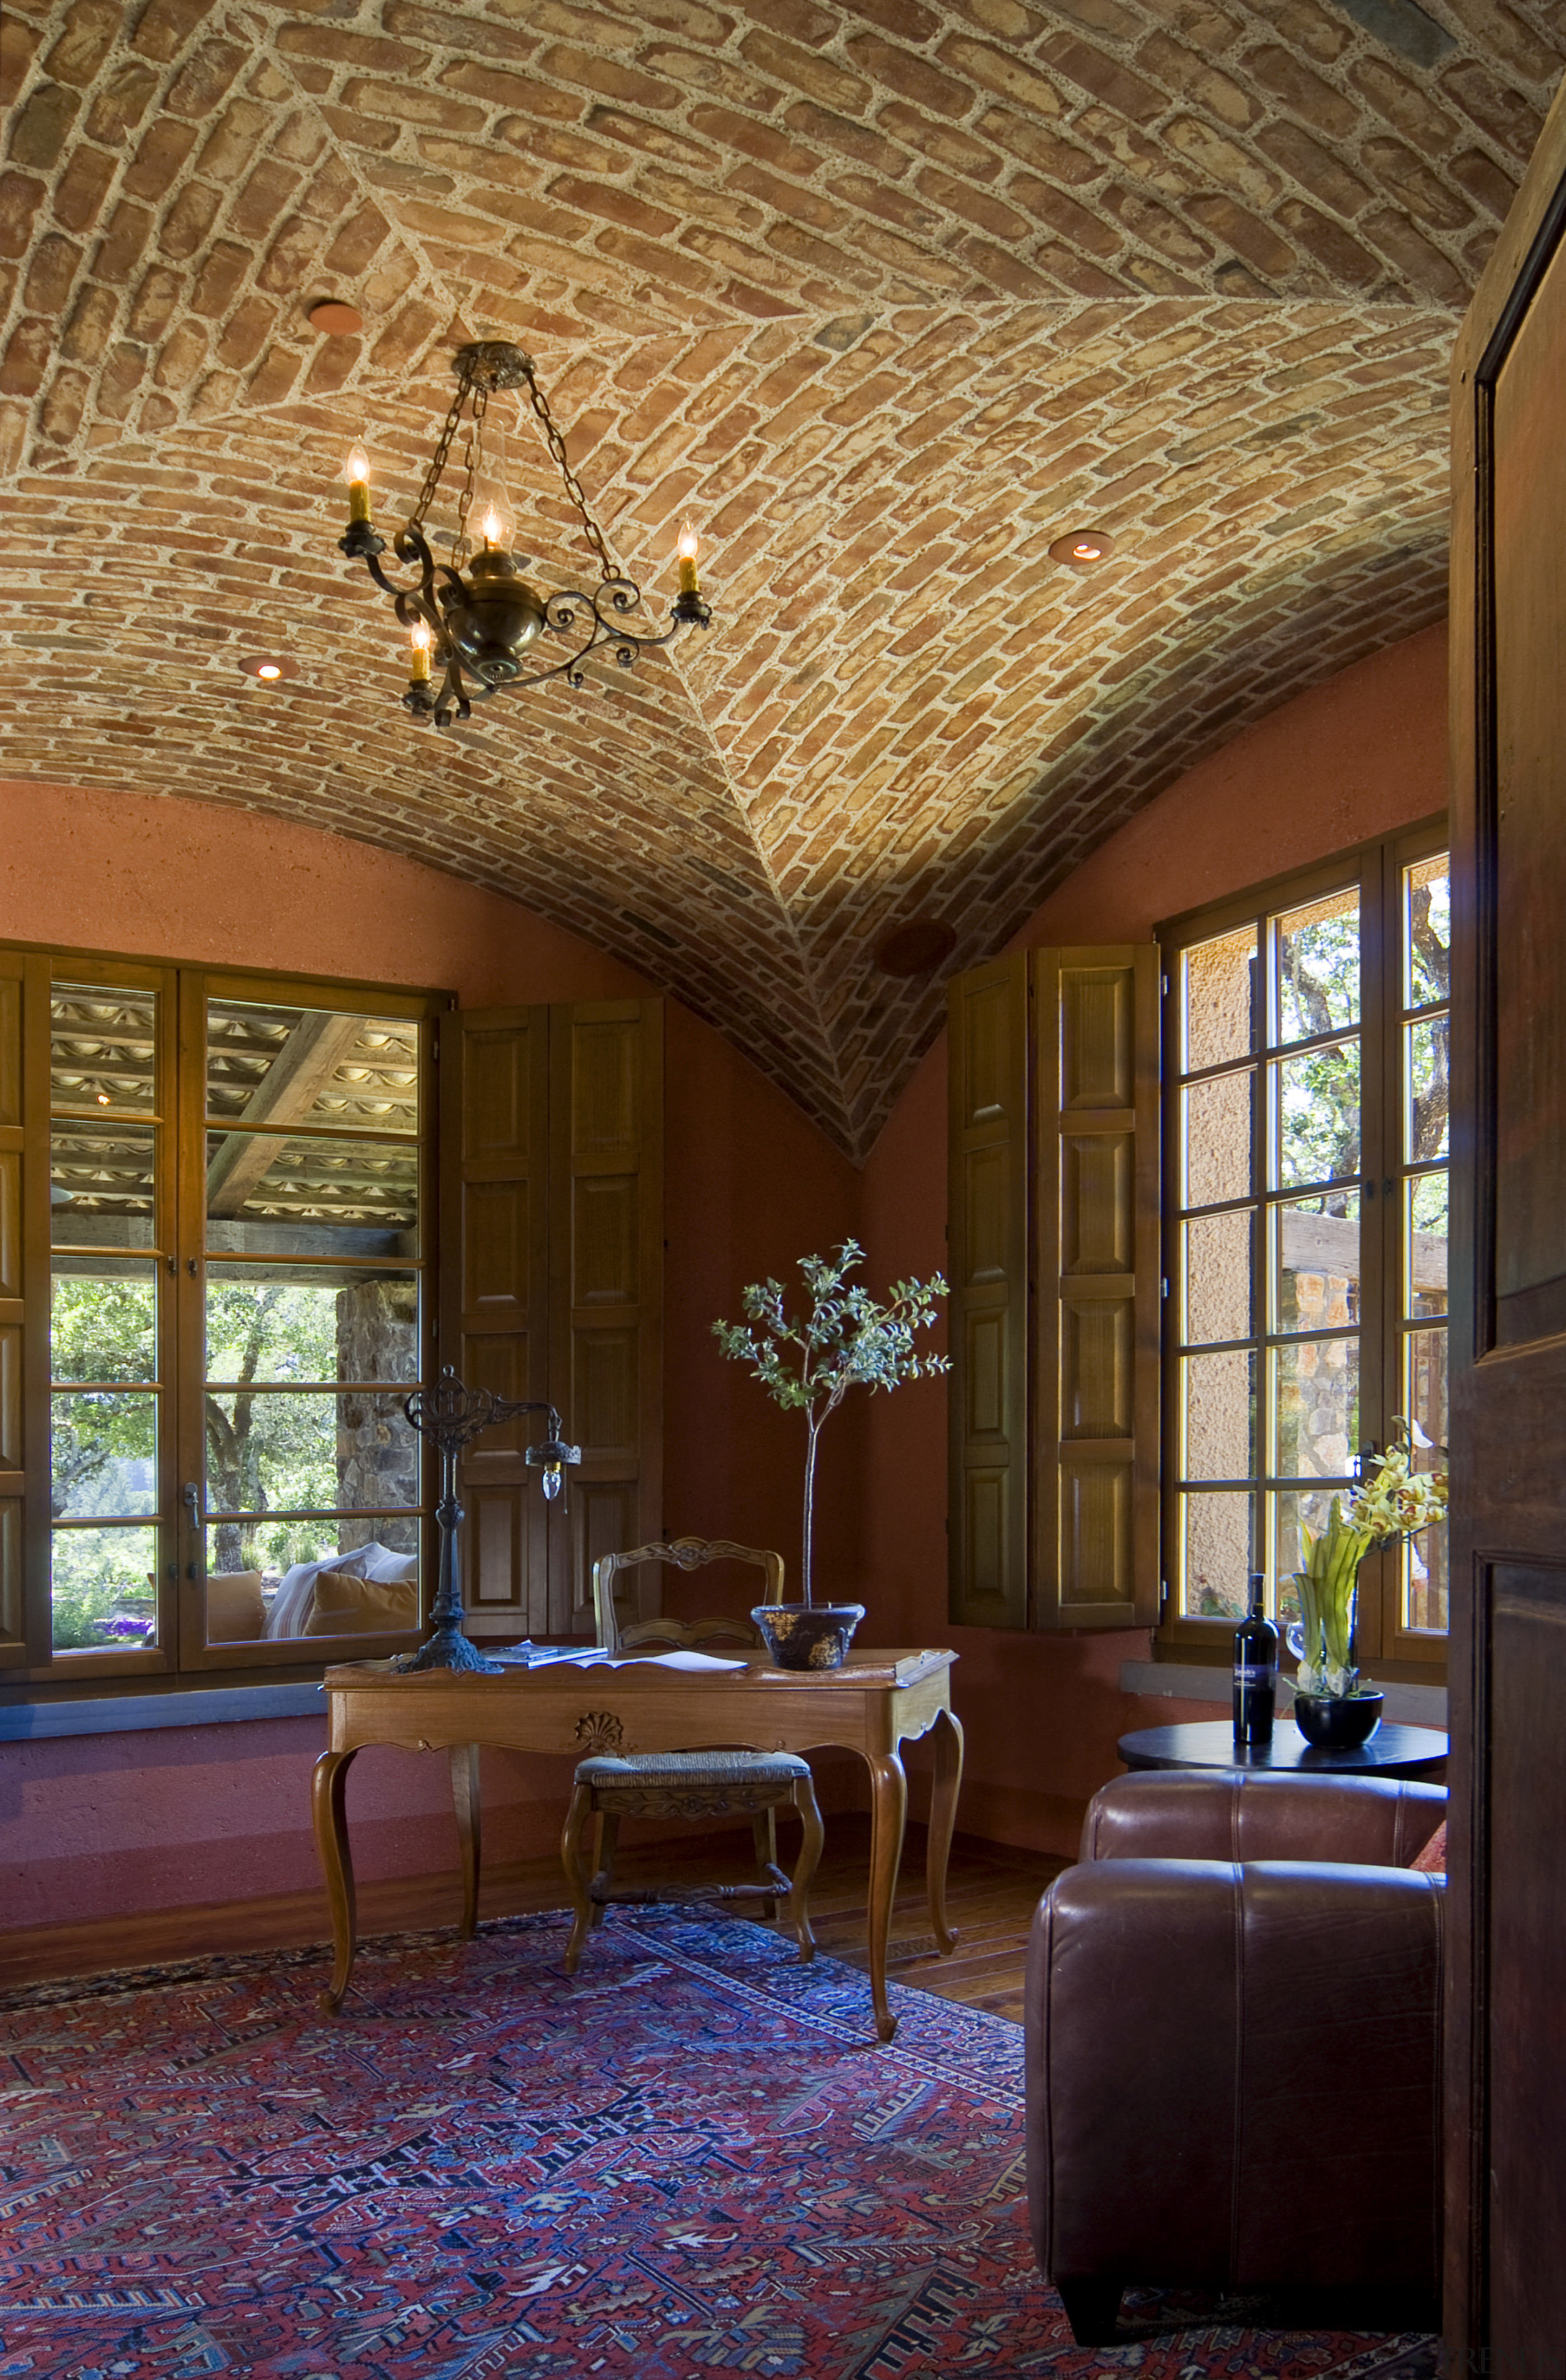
column 692, row 2158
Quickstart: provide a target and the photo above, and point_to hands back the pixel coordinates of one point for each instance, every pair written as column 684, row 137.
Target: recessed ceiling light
column 268, row 666
column 1081, row 548
column 334, row 320
column 917, row 948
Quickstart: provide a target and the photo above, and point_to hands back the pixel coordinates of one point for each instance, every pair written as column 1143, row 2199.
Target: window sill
column 29, row 1722
column 1409, row 1705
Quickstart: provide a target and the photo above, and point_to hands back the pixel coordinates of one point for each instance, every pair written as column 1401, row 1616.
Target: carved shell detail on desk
column 600, row 1732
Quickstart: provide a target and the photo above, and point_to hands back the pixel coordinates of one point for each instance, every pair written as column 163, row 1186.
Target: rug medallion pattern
column 689, row 2161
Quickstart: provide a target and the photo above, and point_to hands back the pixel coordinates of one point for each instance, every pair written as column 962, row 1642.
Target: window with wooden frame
column 1305, row 1145
column 215, row 1229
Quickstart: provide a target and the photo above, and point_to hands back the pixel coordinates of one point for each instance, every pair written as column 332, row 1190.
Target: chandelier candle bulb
column 356, row 470
column 418, row 663
column 688, row 549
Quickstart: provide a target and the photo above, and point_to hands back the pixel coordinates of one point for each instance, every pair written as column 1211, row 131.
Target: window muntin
column 1306, row 1113
column 313, row 1337
column 235, row 1301
column 107, row 1409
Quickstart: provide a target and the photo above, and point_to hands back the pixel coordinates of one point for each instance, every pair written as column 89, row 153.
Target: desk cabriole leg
column 889, row 1811
column 329, row 1809
column 943, row 1819
column 465, row 1800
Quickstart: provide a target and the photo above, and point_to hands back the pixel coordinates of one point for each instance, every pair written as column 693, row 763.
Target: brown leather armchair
column 1233, row 2042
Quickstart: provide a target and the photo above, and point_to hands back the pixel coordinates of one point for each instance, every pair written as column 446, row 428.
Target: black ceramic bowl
column 1338, row 1722
column 807, row 1637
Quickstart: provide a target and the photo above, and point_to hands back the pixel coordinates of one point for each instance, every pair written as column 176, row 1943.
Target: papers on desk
column 592, row 1657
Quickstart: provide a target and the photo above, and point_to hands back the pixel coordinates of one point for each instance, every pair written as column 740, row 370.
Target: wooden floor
column 992, row 1895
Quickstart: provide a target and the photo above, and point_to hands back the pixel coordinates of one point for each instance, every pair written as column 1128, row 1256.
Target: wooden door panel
column 987, row 1258
column 1506, row 1971
column 1527, row 1782
column 494, row 1309
column 1096, row 1265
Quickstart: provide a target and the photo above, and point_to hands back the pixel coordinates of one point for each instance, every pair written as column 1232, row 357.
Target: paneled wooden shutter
column 1097, row 1311
column 606, row 1288
column 988, row 1256
column 552, row 1288
column 494, row 1293
column 24, row 1336
column 1055, row 1315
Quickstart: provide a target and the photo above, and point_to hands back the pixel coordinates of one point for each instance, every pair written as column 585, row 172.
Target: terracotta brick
column 1009, row 78
column 187, row 222
column 20, row 197
column 1181, row 68
column 161, row 155
column 262, row 201
column 913, row 79
column 1425, row 267
column 1048, row 205
column 87, row 333
column 1286, row 77
column 1343, row 259
column 29, row 353
column 356, row 243
column 1146, row 220
column 246, row 332
column 41, row 125
column 84, row 40
column 1504, row 114
column 1304, row 161
column 1405, row 104
column 1128, row 95
column 51, row 273
column 1485, row 178
column 606, row 76
column 1233, row 226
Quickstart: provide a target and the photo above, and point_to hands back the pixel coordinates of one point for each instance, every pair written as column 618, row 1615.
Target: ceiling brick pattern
column 886, row 297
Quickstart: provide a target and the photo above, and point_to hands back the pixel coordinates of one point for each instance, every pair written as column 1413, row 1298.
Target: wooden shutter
column 1055, row 1290
column 606, row 1289
column 1097, row 1314
column 24, row 1322
column 494, row 1289
column 987, row 1255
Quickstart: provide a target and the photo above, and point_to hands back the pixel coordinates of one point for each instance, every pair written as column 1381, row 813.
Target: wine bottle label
column 1255, row 1673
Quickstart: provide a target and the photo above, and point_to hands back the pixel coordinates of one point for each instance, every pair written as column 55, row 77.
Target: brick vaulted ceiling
column 886, row 296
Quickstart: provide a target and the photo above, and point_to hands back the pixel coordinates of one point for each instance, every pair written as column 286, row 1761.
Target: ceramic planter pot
column 1338, row 1722
column 808, row 1637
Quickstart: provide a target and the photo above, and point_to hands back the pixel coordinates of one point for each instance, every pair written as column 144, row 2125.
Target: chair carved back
column 686, row 1553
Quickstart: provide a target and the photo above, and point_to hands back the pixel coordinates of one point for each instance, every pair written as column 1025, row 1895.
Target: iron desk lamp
column 451, row 1416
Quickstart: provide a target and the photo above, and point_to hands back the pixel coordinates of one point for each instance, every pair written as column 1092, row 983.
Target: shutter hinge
column 1164, row 980
column 1164, row 1286
column 1164, row 1596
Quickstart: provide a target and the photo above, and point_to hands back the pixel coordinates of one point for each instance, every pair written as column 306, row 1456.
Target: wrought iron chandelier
column 472, row 621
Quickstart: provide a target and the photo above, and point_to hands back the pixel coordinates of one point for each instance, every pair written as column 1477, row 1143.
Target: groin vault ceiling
column 885, row 296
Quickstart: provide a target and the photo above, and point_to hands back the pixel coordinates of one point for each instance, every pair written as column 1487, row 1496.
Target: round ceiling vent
column 334, row 320
column 1081, row 548
column 917, row 948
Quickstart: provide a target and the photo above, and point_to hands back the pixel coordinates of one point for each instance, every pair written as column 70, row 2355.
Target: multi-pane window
column 221, row 1316
column 1307, row 1080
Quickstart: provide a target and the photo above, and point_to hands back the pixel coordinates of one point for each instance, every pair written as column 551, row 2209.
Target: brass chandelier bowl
column 474, row 620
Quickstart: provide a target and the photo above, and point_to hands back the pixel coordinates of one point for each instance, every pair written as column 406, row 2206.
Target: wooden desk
column 1394, row 1750
column 873, row 1704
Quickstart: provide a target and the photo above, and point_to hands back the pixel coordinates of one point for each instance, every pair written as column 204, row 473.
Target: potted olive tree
column 809, row 1364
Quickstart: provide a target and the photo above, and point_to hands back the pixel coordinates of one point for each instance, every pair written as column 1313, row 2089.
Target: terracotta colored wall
column 93, row 1826
column 1355, row 758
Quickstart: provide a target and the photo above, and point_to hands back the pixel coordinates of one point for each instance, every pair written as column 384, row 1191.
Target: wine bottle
column 1255, row 1669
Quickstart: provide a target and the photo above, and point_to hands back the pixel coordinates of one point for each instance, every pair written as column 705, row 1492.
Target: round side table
column 1392, row 1751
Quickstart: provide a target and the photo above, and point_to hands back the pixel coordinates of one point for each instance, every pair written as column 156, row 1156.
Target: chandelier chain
column 574, row 487
column 472, row 459
column 438, row 459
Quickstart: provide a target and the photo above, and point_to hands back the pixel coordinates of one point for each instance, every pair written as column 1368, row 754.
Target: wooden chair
column 716, row 1783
